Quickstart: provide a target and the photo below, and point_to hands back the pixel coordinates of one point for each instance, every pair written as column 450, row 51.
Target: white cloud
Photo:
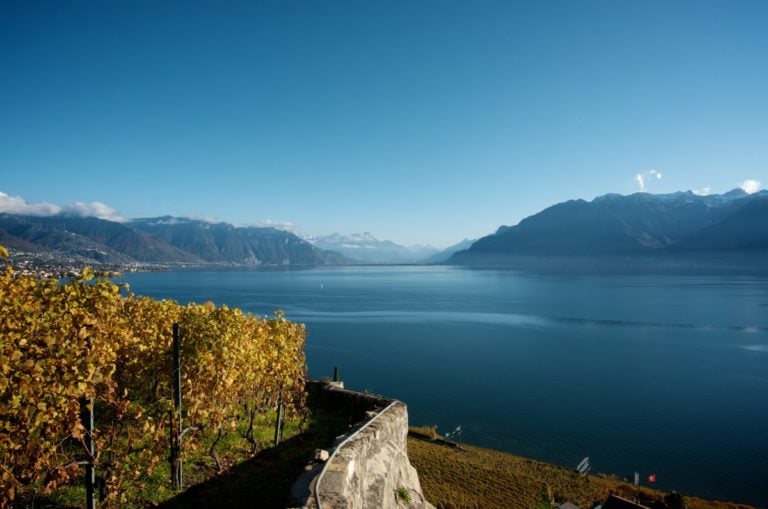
column 278, row 225
column 95, row 209
column 268, row 223
column 750, row 186
column 704, row 191
column 203, row 218
column 17, row 205
column 642, row 178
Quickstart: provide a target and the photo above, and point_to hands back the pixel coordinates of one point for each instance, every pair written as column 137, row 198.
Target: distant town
column 47, row 267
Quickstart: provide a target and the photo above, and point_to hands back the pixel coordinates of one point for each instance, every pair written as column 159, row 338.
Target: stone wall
column 368, row 467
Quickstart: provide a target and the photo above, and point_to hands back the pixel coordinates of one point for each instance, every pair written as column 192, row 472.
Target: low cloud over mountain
column 17, row 205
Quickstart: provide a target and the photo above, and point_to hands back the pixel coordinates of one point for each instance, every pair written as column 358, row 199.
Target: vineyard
column 469, row 476
column 88, row 344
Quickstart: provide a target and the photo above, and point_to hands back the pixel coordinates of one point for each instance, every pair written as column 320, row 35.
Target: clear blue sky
column 418, row 121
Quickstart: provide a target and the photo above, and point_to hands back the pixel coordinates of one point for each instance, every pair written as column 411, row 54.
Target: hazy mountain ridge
column 225, row 243
column 668, row 227
column 164, row 240
column 366, row 248
column 91, row 238
column 745, row 229
column 637, row 225
column 449, row 251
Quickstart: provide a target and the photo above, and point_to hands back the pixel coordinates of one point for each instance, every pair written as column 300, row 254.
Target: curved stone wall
column 368, row 467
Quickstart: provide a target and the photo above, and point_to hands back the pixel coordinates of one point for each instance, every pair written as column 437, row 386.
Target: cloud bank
column 203, row 218
column 750, row 186
column 17, row 205
column 642, row 178
column 278, row 225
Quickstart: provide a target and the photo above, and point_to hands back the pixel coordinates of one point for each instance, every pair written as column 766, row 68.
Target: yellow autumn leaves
column 230, row 361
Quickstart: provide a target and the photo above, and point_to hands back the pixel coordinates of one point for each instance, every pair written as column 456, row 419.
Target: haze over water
column 659, row 374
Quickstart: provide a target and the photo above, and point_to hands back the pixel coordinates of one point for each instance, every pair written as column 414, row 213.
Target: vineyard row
column 64, row 345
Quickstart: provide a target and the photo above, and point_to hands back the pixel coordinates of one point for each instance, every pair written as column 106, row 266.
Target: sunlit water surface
column 664, row 375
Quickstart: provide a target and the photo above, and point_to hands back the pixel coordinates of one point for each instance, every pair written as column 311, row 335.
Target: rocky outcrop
column 368, row 467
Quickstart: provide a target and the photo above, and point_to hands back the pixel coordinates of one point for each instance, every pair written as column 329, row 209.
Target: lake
column 655, row 374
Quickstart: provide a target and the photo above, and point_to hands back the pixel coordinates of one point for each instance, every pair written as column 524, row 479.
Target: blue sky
column 417, row 121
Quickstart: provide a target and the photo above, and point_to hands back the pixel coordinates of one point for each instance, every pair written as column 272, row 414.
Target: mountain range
column 665, row 227
column 366, row 248
column 163, row 240
column 444, row 255
column 680, row 228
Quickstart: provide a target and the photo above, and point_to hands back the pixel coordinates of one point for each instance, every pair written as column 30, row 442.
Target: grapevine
column 231, row 361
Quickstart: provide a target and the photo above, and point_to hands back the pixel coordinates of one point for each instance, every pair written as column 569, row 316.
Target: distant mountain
column 638, row 225
column 745, row 230
column 165, row 240
column 446, row 253
column 91, row 238
column 223, row 243
column 366, row 248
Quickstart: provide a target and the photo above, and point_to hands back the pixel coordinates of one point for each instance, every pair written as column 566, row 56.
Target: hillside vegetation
column 65, row 343
column 479, row 478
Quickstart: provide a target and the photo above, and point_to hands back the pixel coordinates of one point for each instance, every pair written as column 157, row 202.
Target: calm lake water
column 659, row 374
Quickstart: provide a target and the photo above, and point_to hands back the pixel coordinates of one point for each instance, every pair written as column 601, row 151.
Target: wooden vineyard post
column 177, row 479
column 88, row 423
column 278, row 421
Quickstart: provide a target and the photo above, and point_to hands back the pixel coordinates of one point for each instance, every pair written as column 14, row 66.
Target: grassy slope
column 262, row 480
column 475, row 477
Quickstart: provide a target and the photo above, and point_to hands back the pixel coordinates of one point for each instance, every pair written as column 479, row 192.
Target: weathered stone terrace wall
column 368, row 467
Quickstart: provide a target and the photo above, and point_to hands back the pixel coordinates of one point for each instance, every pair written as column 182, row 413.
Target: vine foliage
column 231, row 361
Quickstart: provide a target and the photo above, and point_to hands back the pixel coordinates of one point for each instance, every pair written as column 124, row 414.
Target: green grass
column 262, row 479
column 403, row 495
column 72, row 495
